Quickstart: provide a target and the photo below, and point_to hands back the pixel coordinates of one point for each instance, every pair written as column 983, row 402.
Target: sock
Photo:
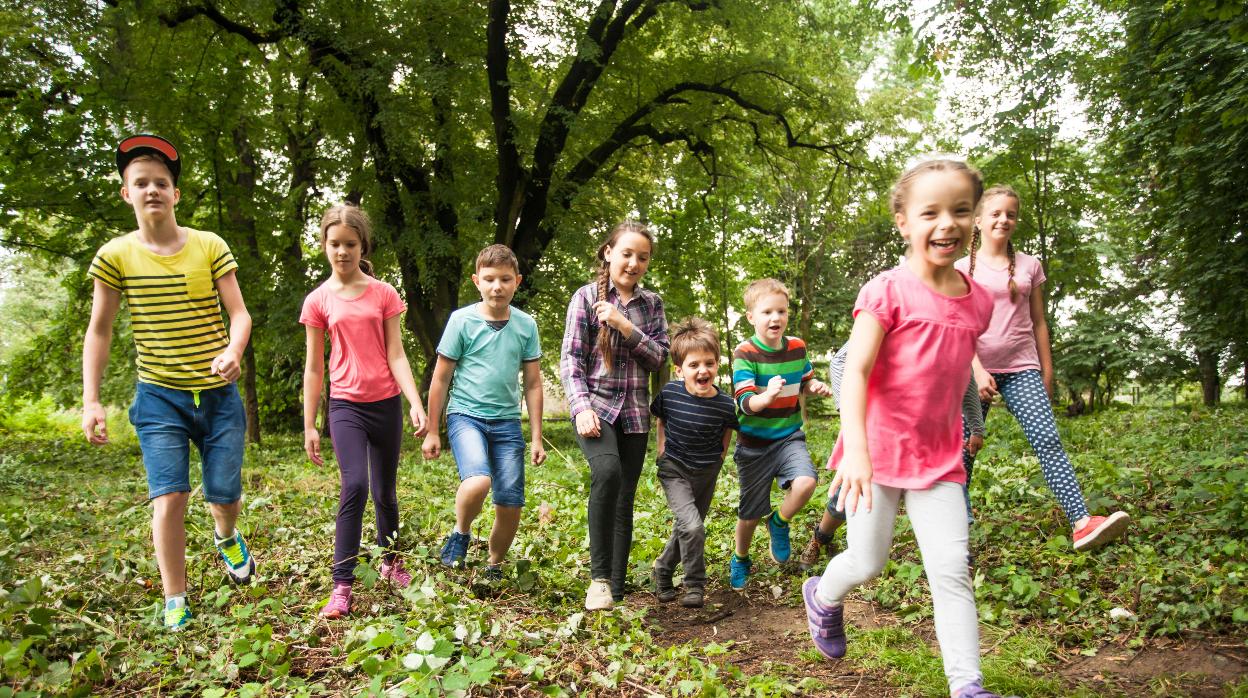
column 822, row 537
column 740, row 558
column 779, row 519
column 463, row 532
column 825, row 602
column 176, row 601
column 222, row 538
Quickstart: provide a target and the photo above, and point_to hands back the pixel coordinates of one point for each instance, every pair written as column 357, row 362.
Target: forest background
column 757, row 139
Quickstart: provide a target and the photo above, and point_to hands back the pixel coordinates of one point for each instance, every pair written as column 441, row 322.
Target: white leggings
column 938, row 516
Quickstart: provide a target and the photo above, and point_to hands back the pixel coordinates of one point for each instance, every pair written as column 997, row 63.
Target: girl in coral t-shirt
column 367, row 370
column 908, row 366
column 1015, row 361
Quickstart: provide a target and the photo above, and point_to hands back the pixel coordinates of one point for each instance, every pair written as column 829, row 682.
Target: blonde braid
column 974, row 247
column 604, row 330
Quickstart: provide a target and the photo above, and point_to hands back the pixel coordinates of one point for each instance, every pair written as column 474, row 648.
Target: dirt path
column 762, row 632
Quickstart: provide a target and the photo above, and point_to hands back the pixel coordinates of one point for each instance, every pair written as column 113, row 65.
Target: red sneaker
column 1100, row 530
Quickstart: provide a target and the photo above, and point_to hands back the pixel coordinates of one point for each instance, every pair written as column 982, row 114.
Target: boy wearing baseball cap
column 175, row 281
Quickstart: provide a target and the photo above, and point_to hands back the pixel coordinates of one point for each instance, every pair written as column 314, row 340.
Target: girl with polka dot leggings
column 1014, row 359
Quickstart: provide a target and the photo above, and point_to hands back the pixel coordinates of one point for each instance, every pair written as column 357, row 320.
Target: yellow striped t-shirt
column 175, row 313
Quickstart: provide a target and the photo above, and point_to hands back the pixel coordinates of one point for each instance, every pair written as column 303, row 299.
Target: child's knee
column 476, row 486
column 803, row 487
column 171, row 504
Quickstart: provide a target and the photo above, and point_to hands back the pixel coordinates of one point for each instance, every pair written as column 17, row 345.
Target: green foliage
column 78, row 611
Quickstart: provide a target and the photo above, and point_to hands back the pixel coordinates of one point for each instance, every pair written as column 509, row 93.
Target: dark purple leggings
column 366, row 439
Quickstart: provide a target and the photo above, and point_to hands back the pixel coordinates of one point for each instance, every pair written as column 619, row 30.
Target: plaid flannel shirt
column 622, row 395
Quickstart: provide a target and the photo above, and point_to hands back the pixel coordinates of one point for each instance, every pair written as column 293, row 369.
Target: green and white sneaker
column 237, row 558
column 177, row 614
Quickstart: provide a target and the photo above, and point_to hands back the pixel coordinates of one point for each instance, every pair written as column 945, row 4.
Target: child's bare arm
column 229, row 364
column 660, row 440
column 104, row 305
column 313, row 382
column 396, row 356
column 533, row 399
column 727, row 441
column 438, row 385
column 853, row 477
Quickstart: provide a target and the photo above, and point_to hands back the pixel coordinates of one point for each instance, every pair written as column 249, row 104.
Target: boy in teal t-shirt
column 483, row 348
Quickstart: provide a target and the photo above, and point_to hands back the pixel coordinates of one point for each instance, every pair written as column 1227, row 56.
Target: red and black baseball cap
column 148, row 144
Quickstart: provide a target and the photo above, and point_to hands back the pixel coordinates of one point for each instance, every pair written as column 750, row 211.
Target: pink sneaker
column 339, row 603
column 1100, row 530
column 395, row 572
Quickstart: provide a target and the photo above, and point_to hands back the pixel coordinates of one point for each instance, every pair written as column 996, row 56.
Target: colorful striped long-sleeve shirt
column 753, row 366
column 619, row 394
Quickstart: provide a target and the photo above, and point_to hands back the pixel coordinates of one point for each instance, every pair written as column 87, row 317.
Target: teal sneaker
column 739, row 572
column 779, row 532
column 237, row 558
column 176, row 615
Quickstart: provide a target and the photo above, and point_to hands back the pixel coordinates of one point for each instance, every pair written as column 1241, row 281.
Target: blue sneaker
column 176, row 615
column 739, row 572
column 455, row 548
column 237, row 558
column 779, row 532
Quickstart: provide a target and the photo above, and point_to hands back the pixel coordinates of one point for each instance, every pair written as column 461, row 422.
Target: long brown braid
column 999, row 190
column 606, row 339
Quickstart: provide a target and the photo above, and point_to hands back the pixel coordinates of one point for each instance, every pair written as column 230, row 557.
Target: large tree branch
column 210, row 11
column 509, row 180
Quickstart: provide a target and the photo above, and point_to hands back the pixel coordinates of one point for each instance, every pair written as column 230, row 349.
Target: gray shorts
column 783, row 460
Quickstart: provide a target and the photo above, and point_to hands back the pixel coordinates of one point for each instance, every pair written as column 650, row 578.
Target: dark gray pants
column 615, row 462
column 689, row 492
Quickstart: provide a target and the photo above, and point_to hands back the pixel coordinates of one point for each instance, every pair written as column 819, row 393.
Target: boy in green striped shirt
column 770, row 372
column 175, row 281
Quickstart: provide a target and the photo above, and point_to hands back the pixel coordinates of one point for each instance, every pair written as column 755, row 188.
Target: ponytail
column 604, row 330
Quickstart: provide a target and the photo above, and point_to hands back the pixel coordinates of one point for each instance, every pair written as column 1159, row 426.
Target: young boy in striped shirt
column 695, row 423
column 175, row 281
column 770, row 372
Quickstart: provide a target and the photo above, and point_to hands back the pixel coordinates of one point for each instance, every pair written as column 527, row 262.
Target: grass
column 80, row 589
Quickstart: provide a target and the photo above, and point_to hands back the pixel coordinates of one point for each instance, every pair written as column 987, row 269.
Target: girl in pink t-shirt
column 367, row 370
column 908, row 366
column 1014, row 360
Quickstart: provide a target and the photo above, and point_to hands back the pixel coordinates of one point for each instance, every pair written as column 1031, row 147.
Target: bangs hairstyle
column 150, row 157
column 901, row 190
column 997, row 190
column 693, row 334
column 498, row 256
column 606, row 333
column 353, row 217
column 764, row 287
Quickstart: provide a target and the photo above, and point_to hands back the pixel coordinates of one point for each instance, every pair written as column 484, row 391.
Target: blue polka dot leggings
column 1027, row 400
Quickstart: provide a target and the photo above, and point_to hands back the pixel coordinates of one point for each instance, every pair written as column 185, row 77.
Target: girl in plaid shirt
column 616, row 334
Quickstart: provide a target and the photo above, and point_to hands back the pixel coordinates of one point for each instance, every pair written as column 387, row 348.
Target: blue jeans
column 167, row 421
column 493, row 448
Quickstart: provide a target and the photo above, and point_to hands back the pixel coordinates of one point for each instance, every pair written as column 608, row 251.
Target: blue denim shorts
column 493, row 448
column 167, row 421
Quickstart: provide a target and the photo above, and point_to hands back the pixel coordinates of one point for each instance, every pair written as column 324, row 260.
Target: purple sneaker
column 827, row 625
column 976, row 690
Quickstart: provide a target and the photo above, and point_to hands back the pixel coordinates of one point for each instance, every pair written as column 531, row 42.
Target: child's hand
column 587, row 424
column 226, row 366
column 854, row 480
column 95, row 423
column 420, row 422
column 539, row 453
column 608, row 314
column 773, row 387
column 432, row 447
column 818, row 387
column 973, row 444
column 987, row 385
column 312, row 444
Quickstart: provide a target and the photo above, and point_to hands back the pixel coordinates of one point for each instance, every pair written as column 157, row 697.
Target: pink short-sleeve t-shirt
column 358, row 369
column 914, row 393
column 1009, row 345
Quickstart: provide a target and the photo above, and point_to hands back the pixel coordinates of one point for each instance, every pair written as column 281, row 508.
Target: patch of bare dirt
column 1199, row 668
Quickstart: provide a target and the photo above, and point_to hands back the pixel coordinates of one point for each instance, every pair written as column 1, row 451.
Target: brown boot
column 811, row 553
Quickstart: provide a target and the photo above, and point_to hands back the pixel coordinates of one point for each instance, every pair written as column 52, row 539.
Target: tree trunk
column 251, row 400
column 1210, row 384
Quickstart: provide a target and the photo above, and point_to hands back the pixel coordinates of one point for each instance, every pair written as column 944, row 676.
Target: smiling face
column 998, row 217
column 770, row 318
column 149, row 189
column 628, row 260
column 937, row 216
column 343, row 249
column 497, row 285
column 698, row 370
